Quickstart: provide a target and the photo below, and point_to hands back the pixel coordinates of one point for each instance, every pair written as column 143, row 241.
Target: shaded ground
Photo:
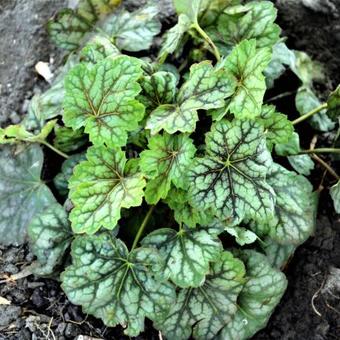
column 39, row 309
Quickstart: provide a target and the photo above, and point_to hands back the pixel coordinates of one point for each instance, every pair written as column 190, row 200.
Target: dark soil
column 310, row 309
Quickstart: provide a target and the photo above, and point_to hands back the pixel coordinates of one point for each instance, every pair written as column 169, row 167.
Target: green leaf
column 61, row 180
column 50, row 235
column 282, row 57
column 68, row 140
column 178, row 201
column 114, row 285
column 256, row 21
column 159, row 88
column 69, row 27
column 230, row 179
column 97, row 49
column 302, row 164
column 174, row 36
column 100, row 187
column 191, row 8
column 278, row 254
column 203, row 311
column 292, row 147
column 295, row 208
column 17, row 133
column 335, row 194
column 307, row 101
column 277, row 126
column 187, row 253
column 246, row 64
column 206, row 88
column 133, row 31
column 166, row 162
column 101, row 99
column 261, row 293
column 242, row 235
column 333, row 104
column 22, row 193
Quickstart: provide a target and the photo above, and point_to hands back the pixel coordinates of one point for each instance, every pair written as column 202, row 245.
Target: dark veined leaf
column 307, row 101
column 17, row 133
column 133, row 31
column 277, row 127
column 174, row 36
column 230, row 178
column 67, row 139
column 206, row 88
column 282, row 58
column 100, row 187
column 166, row 162
column 101, row 99
column 22, row 193
column 178, row 201
column 278, row 254
column 302, row 164
column 335, row 194
column 187, row 253
column 97, row 49
column 242, row 235
column 70, row 26
column 262, row 291
column 295, row 208
column 50, row 235
column 203, row 311
column 254, row 20
column 246, row 64
column 61, row 180
column 117, row 286
column 333, row 104
column 158, row 89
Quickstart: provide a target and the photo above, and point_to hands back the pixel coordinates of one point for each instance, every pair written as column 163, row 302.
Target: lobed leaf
column 67, row 139
column 100, row 187
column 116, row 285
column 101, row 98
column 230, row 178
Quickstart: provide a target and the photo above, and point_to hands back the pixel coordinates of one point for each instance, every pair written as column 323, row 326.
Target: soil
column 38, row 308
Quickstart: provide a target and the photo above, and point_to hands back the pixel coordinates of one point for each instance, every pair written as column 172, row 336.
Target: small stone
column 71, row 330
column 8, row 314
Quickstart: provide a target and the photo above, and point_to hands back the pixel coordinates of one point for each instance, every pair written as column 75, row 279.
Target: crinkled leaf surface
column 22, row 193
column 187, row 253
column 133, row 31
column 230, row 178
column 100, row 187
column 70, row 26
column 261, row 293
column 159, row 88
column 203, row 311
column 166, row 162
column 61, row 180
column 335, row 194
column 184, row 212
column 247, row 63
column 206, row 88
column 50, row 235
column 256, row 21
column 67, row 139
column 117, row 286
column 174, row 36
column 242, row 235
column 306, row 101
column 101, row 98
column 277, row 126
column 333, row 104
column 295, row 206
column 278, row 254
column 302, row 164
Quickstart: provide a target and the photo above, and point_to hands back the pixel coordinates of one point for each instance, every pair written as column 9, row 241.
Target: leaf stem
column 142, row 227
column 60, row 153
column 309, row 114
column 206, row 37
column 320, row 150
column 326, row 166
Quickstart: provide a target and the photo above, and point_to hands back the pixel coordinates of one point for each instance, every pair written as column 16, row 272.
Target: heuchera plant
column 174, row 208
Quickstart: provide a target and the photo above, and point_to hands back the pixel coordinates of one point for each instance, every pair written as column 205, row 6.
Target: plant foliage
column 169, row 170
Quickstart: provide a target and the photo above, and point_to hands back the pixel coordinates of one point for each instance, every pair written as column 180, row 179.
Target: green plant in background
column 178, row 149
